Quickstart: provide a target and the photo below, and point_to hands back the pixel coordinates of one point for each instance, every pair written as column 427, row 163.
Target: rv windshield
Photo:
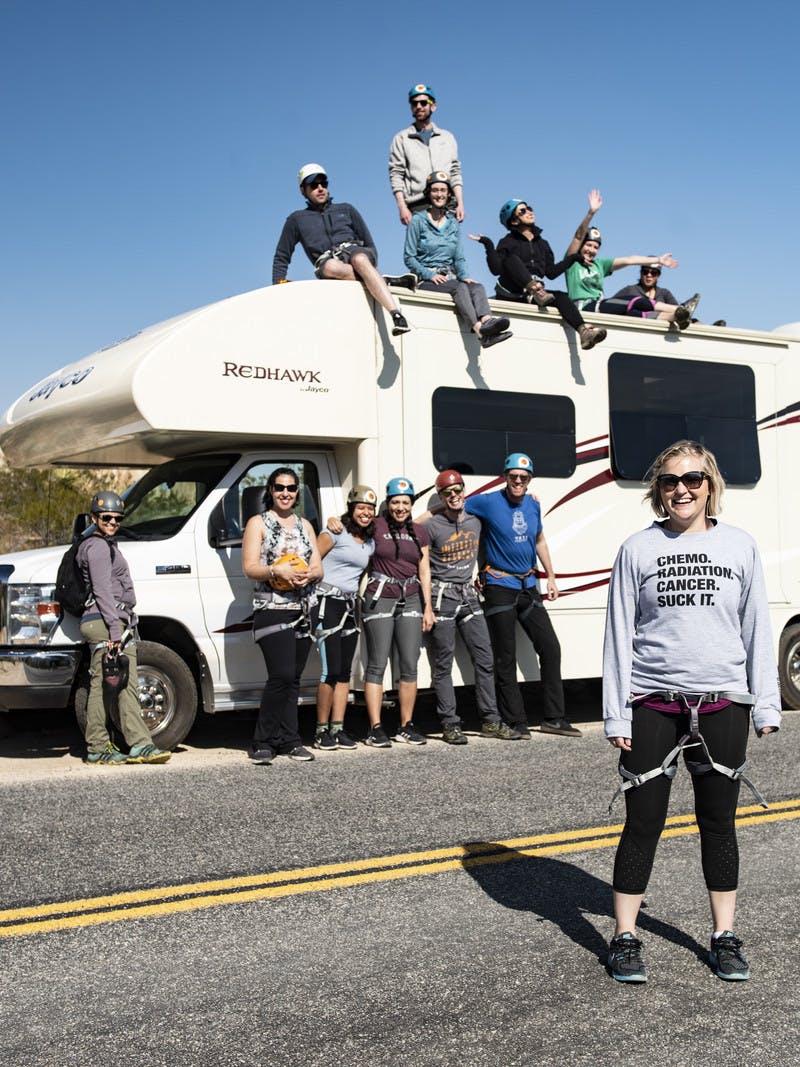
column 160, row 503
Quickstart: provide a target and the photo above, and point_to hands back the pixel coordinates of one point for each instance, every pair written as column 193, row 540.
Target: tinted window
column 654, row 402
column 246, row 498
column 474, row 430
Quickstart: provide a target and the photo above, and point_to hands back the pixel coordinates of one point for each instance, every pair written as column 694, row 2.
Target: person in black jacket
column 336, row 240
column 520, row 261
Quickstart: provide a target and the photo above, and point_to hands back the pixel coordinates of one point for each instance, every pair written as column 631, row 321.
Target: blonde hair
column 716, row 483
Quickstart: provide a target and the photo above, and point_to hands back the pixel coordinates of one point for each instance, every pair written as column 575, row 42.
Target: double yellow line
column 171, row 899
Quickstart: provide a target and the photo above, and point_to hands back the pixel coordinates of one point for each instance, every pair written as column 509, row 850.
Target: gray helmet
column 362, row 494
column 107, row 500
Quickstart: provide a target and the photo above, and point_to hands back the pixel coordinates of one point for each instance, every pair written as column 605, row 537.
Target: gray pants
column 100, row 706
column 386, row 624
column 460, row 611
column 469, row 298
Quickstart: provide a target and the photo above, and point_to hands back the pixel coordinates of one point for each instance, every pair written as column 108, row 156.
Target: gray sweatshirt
column 110, row 583
column 688, row 612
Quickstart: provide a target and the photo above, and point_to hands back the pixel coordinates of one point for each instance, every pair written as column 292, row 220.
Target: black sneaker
column 682, row 317
column 324, row 740
column 691, row 304
column 487, row 342
column 407, row 735
column 453, row 735
column 401, row 281
column 727, row 959
column 400, row 324
column 501, row 730
column 377, row 738
column 494, row 325
column 343, row 740
column 261, row 753
column 302, row 755
column 625, row 962
column 560, row 727
column 719, row 322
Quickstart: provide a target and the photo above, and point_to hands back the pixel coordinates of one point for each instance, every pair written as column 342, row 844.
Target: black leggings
column 654, row 734
column 337, row 649
column 515, row 276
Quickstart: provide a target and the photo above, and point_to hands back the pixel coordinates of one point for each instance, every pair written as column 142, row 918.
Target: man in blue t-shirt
column 512, row 537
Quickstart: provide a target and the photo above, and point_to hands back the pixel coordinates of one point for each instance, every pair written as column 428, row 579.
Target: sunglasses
column 317, row 182
column 691, row 479
column 286, row 488
column 452, row 490
column 651, row 270
column 519, row 478
column 420, row 103
column 110, row 518
column 523, row 209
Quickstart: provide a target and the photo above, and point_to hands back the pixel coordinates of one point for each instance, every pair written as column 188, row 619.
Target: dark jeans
column 653, row 735
column 285, row 657
column 515, row 276
column 503, row 608
column 462, row 615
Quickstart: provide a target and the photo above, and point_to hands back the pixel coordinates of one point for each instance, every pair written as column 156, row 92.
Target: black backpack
column 72, row 591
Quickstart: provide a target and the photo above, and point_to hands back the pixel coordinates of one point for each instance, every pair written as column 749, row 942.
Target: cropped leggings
column 654, row 734
column 387, row 624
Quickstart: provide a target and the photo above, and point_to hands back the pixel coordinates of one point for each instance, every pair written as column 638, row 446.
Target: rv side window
column 246, row 497
column 473, row 429
column 654, row 402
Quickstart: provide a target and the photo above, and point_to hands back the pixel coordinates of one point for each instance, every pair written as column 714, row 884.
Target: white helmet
column 310, row 170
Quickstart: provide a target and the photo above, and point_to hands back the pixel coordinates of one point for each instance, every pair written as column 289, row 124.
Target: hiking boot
column 682, row 317
column 261, row 754
column 487, row 342
column 147, row 754
column 324, row 740
column 591, row 336
column 560, row 727
column 401, row 281
column 453, row 735
column 343, row 740
column 494, row 325
column 377, row 738
column 501, row 730
column 407, row 735
column 109, row 757
column 535, row 292
column 727, row 959
column 300, row 754
column 625, row 961
column 399, row 324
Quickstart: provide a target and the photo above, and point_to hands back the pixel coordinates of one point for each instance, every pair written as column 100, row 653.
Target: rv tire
column 789, row 666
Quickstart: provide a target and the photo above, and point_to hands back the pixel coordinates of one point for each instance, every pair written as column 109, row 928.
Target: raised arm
column 639, row 261
column 595, row 203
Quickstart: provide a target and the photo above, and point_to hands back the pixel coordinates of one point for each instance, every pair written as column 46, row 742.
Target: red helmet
column 447, row 478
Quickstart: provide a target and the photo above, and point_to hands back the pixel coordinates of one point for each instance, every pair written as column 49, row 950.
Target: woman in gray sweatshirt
column 688, row 651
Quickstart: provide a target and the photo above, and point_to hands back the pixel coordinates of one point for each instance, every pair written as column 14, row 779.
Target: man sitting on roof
column 336, row 240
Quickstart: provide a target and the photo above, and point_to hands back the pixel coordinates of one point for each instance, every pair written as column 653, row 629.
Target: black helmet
column 107, row 500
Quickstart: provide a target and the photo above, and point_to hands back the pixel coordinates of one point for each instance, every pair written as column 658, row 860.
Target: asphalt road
column 407, row 907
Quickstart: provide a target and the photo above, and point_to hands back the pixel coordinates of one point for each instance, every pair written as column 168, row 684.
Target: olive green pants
column 100, row 707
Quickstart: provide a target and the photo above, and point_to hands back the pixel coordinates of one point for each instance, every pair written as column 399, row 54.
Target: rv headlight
column 32, row 613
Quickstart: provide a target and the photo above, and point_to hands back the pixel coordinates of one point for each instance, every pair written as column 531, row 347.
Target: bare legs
column 361, row 269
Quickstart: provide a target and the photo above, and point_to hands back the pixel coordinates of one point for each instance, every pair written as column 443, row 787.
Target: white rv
column 308, row 375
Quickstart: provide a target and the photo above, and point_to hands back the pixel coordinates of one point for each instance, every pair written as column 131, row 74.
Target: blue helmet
column 507, row 211
column 518, row 461
column 399, row 487
column 422, row 90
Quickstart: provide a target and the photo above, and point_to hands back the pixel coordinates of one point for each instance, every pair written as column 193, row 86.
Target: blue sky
column 151, row 148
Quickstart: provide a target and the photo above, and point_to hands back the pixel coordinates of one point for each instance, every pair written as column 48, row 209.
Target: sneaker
column 719, row 322
column 493, row 325
column 487, row 342
column 591, row 336
column 147, row 754
column 400, row 324
column 727, row 959
column 691, row 304
column 324, row 740
column 560, row 727
column 682, row 317
column 377, row 738
column 402, row 281
column 109, row 757
column 262, row 754
column 502, row 731
column 407, row 735
column 302, row 755
column 625, row 961
column 453, row 735
column 343, row 740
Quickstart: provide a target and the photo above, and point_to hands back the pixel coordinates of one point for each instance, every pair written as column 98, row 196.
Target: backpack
column 72, row 591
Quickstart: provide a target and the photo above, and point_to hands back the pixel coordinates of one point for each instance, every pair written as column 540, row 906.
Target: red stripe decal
column 599, row 479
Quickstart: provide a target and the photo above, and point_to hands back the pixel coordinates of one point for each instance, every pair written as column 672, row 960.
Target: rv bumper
column 37, row 678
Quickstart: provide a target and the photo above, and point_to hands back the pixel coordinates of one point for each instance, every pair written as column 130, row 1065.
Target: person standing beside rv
column 433, row 250
column 108, row 626
column 396, row 610
column 336, row 240
column 345, row 557
column 512, row 537
column 279, row 550
column 685, row 671
column 418, row 150
column 520, row 261
column 455, row 537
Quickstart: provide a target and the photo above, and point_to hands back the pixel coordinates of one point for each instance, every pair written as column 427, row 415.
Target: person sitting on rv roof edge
column 433, row 250
column 641, row 300
column 523, row 257
column 417, row 151
column 336, row 240
column 585, row 282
